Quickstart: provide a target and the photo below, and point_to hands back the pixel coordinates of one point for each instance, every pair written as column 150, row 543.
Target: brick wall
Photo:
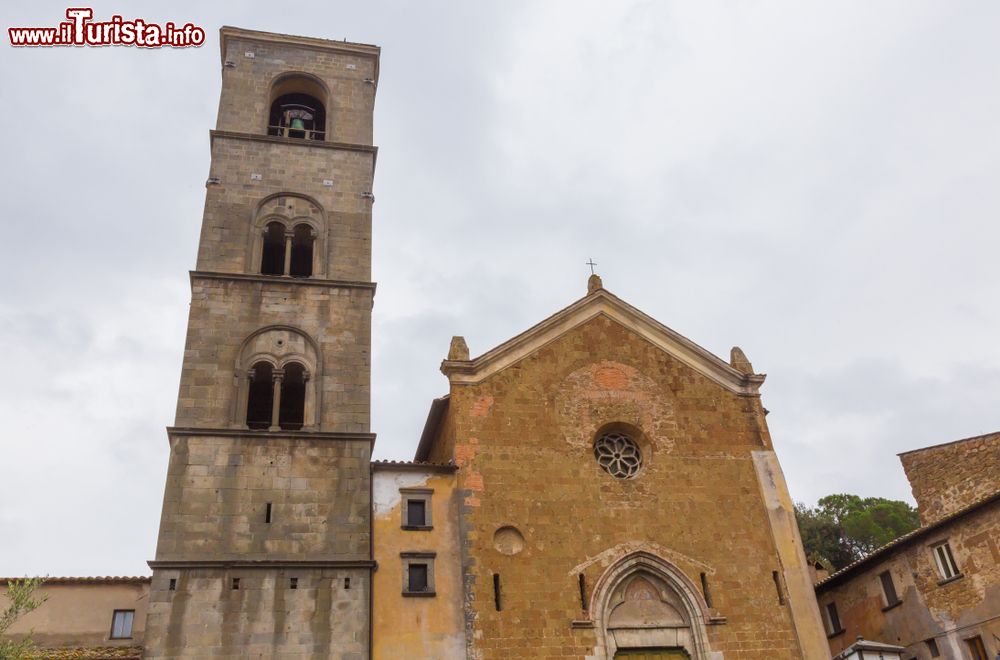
column 523, row 440
column 948, row 477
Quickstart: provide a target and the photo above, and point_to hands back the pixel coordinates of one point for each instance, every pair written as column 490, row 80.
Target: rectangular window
column 833, row 619
column 976, row 648
column 293, row 583
column 418, row 573
column 415, row 513
column 932, row 647
column 416, row 508
column 172, row 586
column 889, row 589
column 236, row 584
column 945, row 561
column 121, row 624
column 417, row 578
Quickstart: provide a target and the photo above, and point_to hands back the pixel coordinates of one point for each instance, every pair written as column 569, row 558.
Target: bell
column 298, row 124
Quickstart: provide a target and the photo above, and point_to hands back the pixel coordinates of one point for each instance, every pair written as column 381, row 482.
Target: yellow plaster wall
column 409, row 627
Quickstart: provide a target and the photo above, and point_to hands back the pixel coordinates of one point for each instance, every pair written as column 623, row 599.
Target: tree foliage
column 843, row 528
column 21, row 599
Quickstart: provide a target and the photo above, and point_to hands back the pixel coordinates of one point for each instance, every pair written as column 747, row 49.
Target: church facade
column 597, row 487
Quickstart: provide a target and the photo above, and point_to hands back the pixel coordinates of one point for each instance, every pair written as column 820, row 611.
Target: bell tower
column 264, row 542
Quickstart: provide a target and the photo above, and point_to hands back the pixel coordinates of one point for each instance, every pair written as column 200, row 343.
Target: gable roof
column 949, row 443
column 601, row 302
column 98, row 579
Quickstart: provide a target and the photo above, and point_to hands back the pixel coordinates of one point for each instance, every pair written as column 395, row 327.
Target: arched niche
column 645, row 602
column 287, row 217
column 297, row 107
column 291, row 354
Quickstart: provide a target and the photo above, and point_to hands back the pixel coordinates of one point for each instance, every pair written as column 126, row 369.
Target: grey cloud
column 815, row 183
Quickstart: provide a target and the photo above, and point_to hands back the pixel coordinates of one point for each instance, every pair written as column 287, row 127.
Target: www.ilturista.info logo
column 80, row 30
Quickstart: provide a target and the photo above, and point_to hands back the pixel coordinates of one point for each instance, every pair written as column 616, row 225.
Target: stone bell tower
column 264, row 543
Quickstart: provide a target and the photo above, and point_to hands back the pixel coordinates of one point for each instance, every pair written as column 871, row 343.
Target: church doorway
column 647, row 609
column 653, row 654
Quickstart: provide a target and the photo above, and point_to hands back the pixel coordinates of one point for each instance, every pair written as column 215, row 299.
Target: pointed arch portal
column 645, row 608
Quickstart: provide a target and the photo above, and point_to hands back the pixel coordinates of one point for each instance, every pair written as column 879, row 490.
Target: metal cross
column 591, row 264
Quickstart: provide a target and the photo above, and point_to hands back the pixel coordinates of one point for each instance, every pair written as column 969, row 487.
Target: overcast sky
column 816, row 183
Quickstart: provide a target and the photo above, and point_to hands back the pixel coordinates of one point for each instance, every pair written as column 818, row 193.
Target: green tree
column 21, row 599
column 843, row 528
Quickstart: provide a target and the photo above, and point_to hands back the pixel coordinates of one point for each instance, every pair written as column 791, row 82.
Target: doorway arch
column 646, row 608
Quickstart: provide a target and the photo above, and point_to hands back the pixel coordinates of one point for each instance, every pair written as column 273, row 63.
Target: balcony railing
column 297, row 133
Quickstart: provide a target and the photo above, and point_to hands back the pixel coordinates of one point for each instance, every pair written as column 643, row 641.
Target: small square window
column 121, row 624
column 418, row 573
column 945, row 561
column 416, row 508
column 415, row 513
column 417, row 578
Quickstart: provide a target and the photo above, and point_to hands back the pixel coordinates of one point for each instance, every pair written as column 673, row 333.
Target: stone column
column 289, row 235
column 278, row 376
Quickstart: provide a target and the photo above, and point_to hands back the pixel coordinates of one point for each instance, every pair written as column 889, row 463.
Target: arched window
column 293, row 397
column 272, row 253
column 288, row 237
column 287, row 386
column 278, row 375
column 297, row 109
column 260, row 398
column 302, row 251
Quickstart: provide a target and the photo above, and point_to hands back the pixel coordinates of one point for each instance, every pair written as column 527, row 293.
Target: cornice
column 602, row 303
column 281, row 279
column 412, row 466
column 228, row 32
column 259, row 563
column 294, row 142
column 190, row 431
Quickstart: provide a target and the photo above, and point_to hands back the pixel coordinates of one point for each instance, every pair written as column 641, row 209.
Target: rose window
column 618, row 455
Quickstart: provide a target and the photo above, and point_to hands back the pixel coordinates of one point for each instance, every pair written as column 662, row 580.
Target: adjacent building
column 86, row 618
column 936, row 590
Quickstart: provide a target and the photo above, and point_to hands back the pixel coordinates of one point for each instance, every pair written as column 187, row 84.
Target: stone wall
column 523, row 439
column 222, row 476
column 931, row 608
column 225, row 313
column 237, row 206
column 218, row 488
column 342, row 67
column 325, row 616
column 948, row 477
